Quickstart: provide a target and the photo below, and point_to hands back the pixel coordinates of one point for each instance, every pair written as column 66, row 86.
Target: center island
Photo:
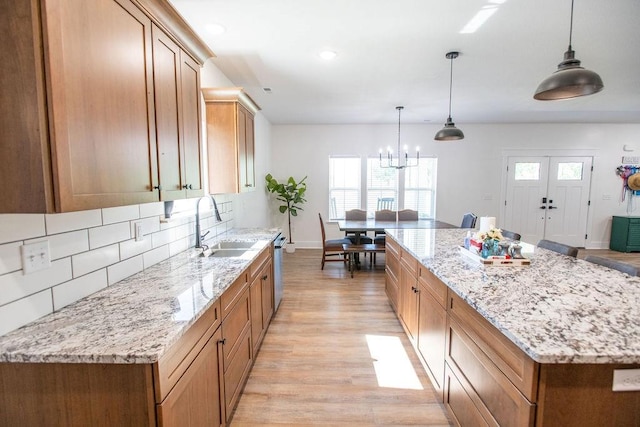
column 534, row 345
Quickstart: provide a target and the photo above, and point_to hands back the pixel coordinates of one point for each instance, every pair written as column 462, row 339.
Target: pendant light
column 570, row 80
column 389, row 162
column 450, row 132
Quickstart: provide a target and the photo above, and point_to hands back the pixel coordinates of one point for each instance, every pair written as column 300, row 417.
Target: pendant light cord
column 450, row 84
column 571, row 25
column 399, row 111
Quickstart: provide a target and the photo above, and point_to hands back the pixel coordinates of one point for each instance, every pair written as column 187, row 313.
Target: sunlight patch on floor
column 391, row 363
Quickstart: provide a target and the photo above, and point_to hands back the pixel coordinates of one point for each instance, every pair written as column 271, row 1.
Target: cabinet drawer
column 409, row 262
column 391, row 287
column 519, row 368
column 233, row 293
column 459, row 403
column 391, row 248
column 258, row 264
column 433, row 285
column 237, row 372
column 177, row 359
column 492, row 393
column 234, row 327
column 392, row 264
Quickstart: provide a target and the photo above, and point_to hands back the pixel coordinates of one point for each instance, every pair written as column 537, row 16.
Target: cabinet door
column 195, row 399
column 167, row 86
column 247, row 148
column 191, row 125
column 257, row 325
column 177, row 89
column 410, row 300
column 432, row 333
column 101, row 105
column 267, row 294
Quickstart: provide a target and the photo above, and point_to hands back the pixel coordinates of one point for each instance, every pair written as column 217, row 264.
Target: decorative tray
column 495, row 261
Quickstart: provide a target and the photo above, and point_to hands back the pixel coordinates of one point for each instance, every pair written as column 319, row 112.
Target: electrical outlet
column 35, row 256
column 626, row 380
column 138, row 231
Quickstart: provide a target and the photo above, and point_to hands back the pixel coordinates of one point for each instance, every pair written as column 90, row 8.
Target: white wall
column 469, row 171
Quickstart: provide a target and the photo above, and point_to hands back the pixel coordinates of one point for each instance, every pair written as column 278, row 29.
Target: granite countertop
column 137, row 319
column 558, row 310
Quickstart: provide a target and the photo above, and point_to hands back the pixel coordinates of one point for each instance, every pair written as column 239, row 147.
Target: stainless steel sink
column 233, row 245
column 232, row 253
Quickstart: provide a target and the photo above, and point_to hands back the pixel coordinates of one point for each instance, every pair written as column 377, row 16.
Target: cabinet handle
column 223, row 341
column 414, row 289
column 157, row 187
column 187, row 187
column 265, row 277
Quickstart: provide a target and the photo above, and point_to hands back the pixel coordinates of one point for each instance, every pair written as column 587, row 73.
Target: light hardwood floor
column 315, row 366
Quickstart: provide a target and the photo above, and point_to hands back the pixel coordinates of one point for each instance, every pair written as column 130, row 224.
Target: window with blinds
column 409, row 188
column 344, row 185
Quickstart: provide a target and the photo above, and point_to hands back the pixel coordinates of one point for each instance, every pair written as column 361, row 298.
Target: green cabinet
column 625, row 234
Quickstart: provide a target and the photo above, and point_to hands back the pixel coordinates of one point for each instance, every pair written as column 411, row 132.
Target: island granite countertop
column 558, row 310
column 137, row 319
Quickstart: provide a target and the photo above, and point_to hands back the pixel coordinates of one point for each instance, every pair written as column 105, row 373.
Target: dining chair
column 383, row 215
column 631, row 270
column 357, row 215
column 407, row 215
column 469, row 220
column 560, row 248
column 385, row 203
column 331, row 248
column 510, row 235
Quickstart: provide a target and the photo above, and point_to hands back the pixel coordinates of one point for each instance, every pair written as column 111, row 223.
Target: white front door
column 548, row 198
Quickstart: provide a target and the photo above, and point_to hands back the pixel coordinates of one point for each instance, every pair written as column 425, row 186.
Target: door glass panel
column 570, row 171
column 527, row 171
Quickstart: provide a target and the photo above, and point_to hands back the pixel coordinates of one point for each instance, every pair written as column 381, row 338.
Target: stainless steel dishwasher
column 278, row 247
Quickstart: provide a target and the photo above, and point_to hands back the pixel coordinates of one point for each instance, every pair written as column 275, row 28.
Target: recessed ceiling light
column 267, row 90
column 215, row 29
column 328, row 55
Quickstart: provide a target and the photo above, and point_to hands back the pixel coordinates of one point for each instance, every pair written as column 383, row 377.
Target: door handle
column 544, row 200
column 553, row 207
column 543, row 207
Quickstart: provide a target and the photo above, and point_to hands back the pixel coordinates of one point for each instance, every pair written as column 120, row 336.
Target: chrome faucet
column 199, row 236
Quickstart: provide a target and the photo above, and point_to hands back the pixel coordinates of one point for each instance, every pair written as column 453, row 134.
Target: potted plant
column 291, row 194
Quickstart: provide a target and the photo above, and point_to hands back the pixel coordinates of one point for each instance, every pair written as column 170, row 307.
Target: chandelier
column 389, row 162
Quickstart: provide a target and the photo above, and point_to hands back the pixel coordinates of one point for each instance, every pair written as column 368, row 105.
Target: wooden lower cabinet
column 409, row 296
column 432, row 331
column 392, row 269
column 195, row 399
column 196, row 382
column 237, row 350
column 262, row 304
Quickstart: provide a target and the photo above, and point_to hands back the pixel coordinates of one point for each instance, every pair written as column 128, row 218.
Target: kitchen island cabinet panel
column 70, row 394
column 432, row 331
column 392, row 269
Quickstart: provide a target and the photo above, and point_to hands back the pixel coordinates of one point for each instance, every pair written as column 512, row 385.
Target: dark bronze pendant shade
column 450, row 132
column 570, row 80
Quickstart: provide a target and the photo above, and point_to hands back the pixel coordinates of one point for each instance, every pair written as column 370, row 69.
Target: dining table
column 361, row 227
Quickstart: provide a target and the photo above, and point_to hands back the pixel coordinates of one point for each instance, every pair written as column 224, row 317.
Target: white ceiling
column 392, row 52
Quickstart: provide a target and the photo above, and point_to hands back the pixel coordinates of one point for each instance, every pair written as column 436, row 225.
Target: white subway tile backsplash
column 178, row 246
column 70, row 221
column 155, row 256
column 124, row 269
column 162, row 238
column 108, row 234
column 152, row 209
column 120, row 214
column 16, row 285
column 67, row 244
column 81, row 287
column 14, row 227
column 24, row 311
column 10, row 257
column 93, row 260
column 131, row 248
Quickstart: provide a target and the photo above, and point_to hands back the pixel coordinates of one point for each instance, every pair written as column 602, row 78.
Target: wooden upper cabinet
column 230, row 140
column 79, row 110
column 177, row 113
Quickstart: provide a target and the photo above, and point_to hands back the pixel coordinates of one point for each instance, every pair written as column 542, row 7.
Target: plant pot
column 290, row 248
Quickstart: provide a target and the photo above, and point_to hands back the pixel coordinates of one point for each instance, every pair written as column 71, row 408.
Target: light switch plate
column 626, row 380
column 35, row 256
